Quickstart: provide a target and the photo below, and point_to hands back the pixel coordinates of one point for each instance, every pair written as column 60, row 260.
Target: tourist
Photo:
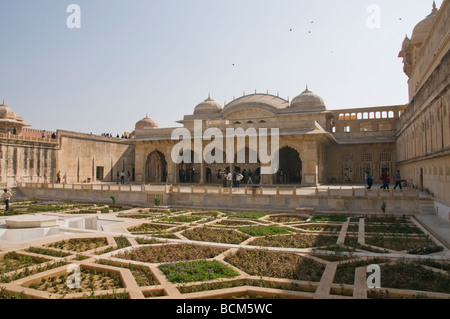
column 369, row 180
column 117, row 176
column 6, row 197
column 58, row 177
column 245, row 177
column 249, row 180
column 398, row 180
column 229, row 179
column 239, row 178
column 234, row 179
column 219, row 175
column 43, row 134
column 385, row 179
column 224, row 178
column 122, row 177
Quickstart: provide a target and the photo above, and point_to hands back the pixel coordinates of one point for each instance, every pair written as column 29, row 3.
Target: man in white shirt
column 229, row 179
column 6, row 197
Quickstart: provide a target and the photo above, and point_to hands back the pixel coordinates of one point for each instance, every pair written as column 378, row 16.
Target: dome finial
column 307, row 90
column 4, row 101
column 209, row 95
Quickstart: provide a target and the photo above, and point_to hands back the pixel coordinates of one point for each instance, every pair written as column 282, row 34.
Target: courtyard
column 119, row 251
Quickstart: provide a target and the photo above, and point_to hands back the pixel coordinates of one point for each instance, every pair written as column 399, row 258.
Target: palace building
column 316, row 145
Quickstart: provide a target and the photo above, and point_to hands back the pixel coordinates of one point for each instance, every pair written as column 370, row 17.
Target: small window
column 249, row 122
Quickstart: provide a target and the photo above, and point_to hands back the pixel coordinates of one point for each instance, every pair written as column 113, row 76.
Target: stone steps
column 426, row 207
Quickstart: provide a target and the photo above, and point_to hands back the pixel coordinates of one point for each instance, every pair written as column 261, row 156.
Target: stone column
column 202, row 173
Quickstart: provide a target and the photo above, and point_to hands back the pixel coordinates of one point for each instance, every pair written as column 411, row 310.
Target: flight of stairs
column 426, row 206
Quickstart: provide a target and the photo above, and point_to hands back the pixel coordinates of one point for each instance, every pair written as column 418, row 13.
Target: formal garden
column 138, row 252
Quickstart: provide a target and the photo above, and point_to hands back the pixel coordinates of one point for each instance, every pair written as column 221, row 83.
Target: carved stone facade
column 423, row 130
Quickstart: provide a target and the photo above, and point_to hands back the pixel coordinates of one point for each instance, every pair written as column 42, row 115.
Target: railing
column 321, row 191
column 28, row 138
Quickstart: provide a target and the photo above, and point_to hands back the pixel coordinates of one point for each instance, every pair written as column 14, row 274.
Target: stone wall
column 271, row 199
column 423, row 130
column 26, row 159
column 90, row 158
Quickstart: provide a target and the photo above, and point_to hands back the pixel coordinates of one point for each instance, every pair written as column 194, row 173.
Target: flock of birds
column 331, row 52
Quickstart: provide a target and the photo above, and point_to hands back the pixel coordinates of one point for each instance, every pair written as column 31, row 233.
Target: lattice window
column 366, row 157
column 385, row 157
column 347, row 158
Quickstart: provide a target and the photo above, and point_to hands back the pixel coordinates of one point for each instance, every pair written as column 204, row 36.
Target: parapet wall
column 268, row 199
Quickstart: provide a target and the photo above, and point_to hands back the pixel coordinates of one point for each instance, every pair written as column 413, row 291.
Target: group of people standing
column 235, row 178
column 385, row 179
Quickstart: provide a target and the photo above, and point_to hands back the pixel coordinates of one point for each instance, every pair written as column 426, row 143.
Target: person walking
column 122, row 178
column 58, row 177
column 6, row 197
column 249, row 181
column 398, row 180
column 369, row 180
column 385, row 178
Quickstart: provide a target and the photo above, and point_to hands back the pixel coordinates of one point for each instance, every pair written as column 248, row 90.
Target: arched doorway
column 249, row 168
column 189, row 172
column 290, row 169
column 156, row 168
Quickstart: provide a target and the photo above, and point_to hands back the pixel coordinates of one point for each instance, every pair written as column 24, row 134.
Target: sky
column 130, row 58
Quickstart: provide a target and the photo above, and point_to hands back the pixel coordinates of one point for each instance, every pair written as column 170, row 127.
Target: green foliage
column 276, row 264
column 264, row 230
column 48, row 252
column 113, row 198
column 157, row 201
column 250, row 215
column 329, row 218
column 199, row 270
column 226, row 236
column 169, row 253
